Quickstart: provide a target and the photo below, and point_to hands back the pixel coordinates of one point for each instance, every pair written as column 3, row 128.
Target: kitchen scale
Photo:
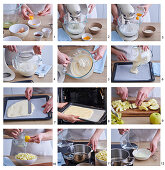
column 8, row 74
column 121, row 73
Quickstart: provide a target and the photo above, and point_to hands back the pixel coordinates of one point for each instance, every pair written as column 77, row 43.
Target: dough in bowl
column 83, row 113
column 19, row 109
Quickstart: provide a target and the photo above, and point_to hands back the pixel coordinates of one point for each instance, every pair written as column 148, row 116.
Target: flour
column 95, row 28
column 81, row 65
column 27, row 68
column 148, row 31
column 129, row 29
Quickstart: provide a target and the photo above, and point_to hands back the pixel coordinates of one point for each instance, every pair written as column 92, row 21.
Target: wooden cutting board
column 42, row 164
column 137, row 112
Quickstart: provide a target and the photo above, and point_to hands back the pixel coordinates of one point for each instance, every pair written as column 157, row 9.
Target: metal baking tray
column 121, row 73
column 97, row 116
column 38, row 114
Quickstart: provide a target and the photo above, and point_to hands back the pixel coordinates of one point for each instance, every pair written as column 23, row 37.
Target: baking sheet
column 96, row 116
column 122, row 73
column 37, row 113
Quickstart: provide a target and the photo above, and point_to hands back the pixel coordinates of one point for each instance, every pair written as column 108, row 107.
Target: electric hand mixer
column 128, row 26
column 75, row 19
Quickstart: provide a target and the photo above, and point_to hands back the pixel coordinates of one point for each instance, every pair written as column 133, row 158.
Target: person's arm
column 94, row 139
column 69, row 118
column 28, row 92
column 45, row 136
column 122, row 92
column 38, row 49
column 146, row 8
column 154, row 142
column 61, row 12
column 99, row 52
column 63, row 59
column 114, row 12
column 143, row 94
column 91, row 7
column 47, row 10
column 13, row 132
column 48, row 106
column 120, row 55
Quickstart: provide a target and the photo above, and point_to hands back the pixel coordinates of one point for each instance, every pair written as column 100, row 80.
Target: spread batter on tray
column 19, row 109
column 82, row 112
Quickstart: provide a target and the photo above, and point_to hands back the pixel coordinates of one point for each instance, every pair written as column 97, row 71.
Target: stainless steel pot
column 81, row 152
column 121, row 157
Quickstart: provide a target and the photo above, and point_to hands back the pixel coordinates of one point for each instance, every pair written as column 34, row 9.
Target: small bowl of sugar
column 148, row 31
column 95, row 28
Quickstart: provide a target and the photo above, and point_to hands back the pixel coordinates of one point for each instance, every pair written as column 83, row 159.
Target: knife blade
column 29, row 107
column 114, row 112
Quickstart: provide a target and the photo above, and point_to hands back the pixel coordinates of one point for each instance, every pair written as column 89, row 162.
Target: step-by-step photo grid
column 82, row 84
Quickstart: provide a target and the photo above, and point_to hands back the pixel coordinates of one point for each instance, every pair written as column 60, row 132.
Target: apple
column 155, row 118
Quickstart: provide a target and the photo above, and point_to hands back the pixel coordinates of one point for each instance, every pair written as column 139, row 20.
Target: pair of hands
column 122, row 56
column 153, row 143
column 26, row 11
column 16, row 132
column 69, row 118
column 62, row 13
column 141, row 96
column 48, row 105
column 36, row 48
column 115, row 11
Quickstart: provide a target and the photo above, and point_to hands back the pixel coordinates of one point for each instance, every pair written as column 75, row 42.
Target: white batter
column 19, row 109
column 82, row 112
column 81, row 65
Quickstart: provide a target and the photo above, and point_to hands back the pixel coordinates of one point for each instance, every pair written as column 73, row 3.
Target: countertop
column 18, row 77
column 41, row 161
column 95, row 78
column 29, row 122
column 136, row 120
column 157, row 78
column 141, row 37
column 45, row 21
column 153, row 160
column 101, row 36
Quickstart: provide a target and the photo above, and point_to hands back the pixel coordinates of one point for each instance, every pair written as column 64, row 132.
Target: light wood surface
column 131, row 116
column 141, row 37
column 101, row 36
column 18, row 77
column 95, row 78
column 45, row 21
column 29, row 122
column 41, row 160
column 157, row 78
column 152, row 161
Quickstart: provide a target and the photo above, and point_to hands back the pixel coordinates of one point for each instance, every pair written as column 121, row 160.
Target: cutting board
column 42, row 164
column 37, row 114
column 137, row 112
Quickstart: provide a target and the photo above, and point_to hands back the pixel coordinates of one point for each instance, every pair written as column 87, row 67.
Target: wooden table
column 95, row 78
column 155, row 37
column 45, row 21
column 157, row 78
column 152, row 161
column 136, row 120
column 41, row 161
column 29, row 122
column 18, row 77
column 101, row 36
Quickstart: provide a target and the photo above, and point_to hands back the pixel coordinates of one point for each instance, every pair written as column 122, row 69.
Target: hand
column 61, row 12
column 37, row 49
column 26, row 11
column 142, row 95
column 37, row 138
column 114, row 13
column 91, row 7
column 121, row 56
column 145, row 47
column 11, row 48
column 46, row 11
column 122, row 92
column 146, row 8
column 61, row 105
column 99, row 52
column 122, row 131
column 153, row 146
column 13, row 132
column 48, row 106
column 73, row 119
column 63, row 59
column 94, row 142
column 28, row 92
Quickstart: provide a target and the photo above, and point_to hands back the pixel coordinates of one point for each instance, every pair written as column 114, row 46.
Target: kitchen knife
column 29, row 107
column 114, row 112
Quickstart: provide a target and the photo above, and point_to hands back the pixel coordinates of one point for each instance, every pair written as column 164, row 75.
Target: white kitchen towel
column 43, row 69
